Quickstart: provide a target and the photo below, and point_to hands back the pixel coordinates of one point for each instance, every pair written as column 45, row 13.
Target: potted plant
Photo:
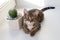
column 13, row 13
column 14, row 20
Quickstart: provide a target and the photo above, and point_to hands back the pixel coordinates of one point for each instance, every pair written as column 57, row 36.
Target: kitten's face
column 31, row 14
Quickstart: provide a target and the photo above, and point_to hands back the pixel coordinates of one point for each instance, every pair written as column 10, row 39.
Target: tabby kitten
column 32, row 20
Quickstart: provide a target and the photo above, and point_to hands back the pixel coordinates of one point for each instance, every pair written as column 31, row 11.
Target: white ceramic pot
column 15, row 24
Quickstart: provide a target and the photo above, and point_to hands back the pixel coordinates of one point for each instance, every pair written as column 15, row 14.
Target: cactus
column 13, row 13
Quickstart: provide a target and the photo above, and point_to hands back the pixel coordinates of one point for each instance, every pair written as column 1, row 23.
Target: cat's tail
column 46, row 8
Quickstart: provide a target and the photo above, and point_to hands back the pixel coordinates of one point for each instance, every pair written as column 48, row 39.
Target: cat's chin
column 30, row 25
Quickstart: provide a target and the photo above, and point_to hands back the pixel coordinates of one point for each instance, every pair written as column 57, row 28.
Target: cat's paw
column 26, row 31
column 32, row 33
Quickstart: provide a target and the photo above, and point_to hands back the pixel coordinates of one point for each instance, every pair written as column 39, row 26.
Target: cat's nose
column 30, row 19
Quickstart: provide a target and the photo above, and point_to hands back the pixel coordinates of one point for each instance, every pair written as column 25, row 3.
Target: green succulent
column 13, row 13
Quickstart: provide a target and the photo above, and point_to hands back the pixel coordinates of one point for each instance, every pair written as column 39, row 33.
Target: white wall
column 24, row 4
column 30, row 4
column 52, row 2
column 55, row 3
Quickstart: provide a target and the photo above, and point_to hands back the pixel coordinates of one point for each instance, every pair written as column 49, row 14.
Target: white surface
column 50, row 29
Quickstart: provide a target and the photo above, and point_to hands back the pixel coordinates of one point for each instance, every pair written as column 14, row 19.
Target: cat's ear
column 25, row 12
